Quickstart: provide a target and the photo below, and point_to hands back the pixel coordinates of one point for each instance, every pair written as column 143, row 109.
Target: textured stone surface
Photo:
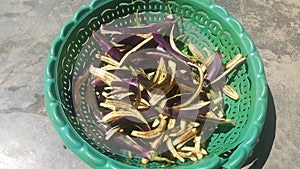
column 29, row 141
column 274, row 26
column 27, row 138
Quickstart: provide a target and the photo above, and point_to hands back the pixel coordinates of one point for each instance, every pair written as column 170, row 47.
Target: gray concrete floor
column 27, row 138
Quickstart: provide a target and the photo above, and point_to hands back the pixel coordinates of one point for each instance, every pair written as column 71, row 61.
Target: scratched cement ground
column 28, row 140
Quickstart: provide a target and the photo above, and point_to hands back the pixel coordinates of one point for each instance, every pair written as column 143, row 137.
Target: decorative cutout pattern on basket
column 79, row 48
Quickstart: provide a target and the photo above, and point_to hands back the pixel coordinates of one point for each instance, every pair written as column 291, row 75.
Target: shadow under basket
column 207, row 25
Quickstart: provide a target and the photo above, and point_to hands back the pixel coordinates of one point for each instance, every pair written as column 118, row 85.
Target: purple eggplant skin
column 186, row 114
column 123, row 121
column 97, row 82
column 79, row 80
column 144, row 81
column 150, row 113
column 134, row 31
column 145, row 95
column 107, row 46
column 120, row 141
column 160, row 40
column 97, row 116
column 132, row 86
column 131, row 41
column 178, row 99
column 151, row 55
column 100, row 98
column 214, row 69
column 127, row 39
column 141, row 148
column 128, row 124
column 186, row 81
column 122, row 74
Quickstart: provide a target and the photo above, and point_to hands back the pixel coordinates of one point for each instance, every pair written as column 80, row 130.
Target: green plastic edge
column 97, row 160
column 244, row 150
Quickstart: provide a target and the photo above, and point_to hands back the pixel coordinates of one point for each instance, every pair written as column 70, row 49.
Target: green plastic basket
column 72, row 50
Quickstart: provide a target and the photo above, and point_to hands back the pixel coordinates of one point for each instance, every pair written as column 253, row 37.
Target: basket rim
column 97, row 160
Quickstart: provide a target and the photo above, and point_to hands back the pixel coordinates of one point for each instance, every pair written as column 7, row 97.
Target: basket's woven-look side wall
column 207, row 25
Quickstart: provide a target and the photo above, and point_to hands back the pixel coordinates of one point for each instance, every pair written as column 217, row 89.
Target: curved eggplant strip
column 157, row 120
column 132, row 30
column 186, row 136
column 108, row 60
column 185, row 85
column 156, row 97
column 124, row 121
column 230, row 92
column 91, row 100
column 145, row 82
column 238, row 63
column 233, row 61
column 172, row 70
column 149, row 62
column 157, row 142
column 175, row 99
column 126, row 107
column 161, row 81
column 150, row 55
column 131, row 85
column 97, row 82
column 161, row 72
column 196, row 106
column 122, row 72
column 120, row 141
column 127, row 39
column 111, row 132
column 107, row 46
column 160, row 40
column 109, row 68
column 183, row 143
column 119, row 95
column 103, row 75
column 214, row 69
column 172, row 42
column 215, row 120
column 197, row 92
column 116, row 115
column 149, row 113
column 137, row 19
column 186, row 114
column 152, row 133
column 133, row 50
column 78, row 82
column 132, row 42
column 196, row 52
column 114, row 91
column 173, row 150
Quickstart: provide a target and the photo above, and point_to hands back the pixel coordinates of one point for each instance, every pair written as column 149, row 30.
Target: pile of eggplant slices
column 152, row 94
